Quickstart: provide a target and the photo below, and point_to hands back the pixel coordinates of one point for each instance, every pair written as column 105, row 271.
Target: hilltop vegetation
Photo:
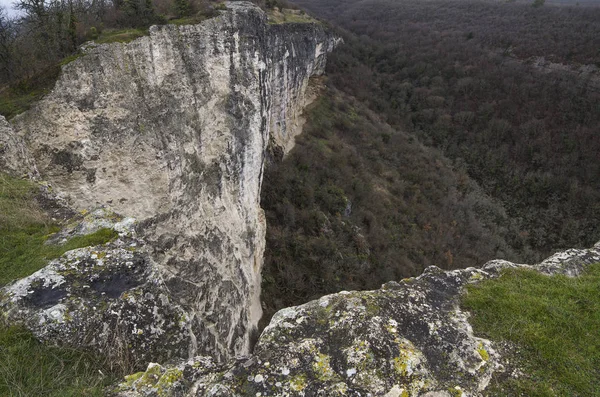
column 46, row 35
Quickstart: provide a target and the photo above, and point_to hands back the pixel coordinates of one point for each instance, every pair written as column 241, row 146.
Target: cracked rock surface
column 14, row 155
column 408, row 338
column 108, row 298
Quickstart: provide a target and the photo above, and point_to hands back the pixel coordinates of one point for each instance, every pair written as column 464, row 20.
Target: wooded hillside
column 358, row 202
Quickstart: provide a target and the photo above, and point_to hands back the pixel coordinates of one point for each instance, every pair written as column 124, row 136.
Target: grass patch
column 71, row 58
column 24, row 229
column 30, row 368
column 121, row 36
column 554, row 321
column 286, row 15
column 192, row 20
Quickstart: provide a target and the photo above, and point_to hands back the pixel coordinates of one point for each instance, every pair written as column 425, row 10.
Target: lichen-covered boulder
column 408, row 338
column 108, row 298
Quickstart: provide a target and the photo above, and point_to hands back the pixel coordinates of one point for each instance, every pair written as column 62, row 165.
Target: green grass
column 289, row 16
column 121, row 36
column 30, row 368
column 554, row 322
column 191, row 20
column 71, row 58
column 27, row 367
column 24, row 229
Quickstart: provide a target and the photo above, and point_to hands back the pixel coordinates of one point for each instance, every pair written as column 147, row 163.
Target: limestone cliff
column 14, row 155
column 172, row 129
column 409, row 338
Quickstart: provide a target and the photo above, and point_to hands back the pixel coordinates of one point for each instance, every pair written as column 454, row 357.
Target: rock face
column 14, row 155
column 172, row 129
column 406, row 339
column 109, row 298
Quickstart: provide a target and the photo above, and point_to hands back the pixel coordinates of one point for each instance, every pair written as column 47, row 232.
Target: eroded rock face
column 172, row 129
column 14, row 155
column 406, row 339
column 109, row 298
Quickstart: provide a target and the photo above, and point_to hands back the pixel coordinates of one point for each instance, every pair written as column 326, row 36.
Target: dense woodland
column 357, row 203
column 451, row 83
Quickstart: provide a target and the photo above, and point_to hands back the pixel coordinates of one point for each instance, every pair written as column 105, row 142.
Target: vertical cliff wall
column 172, row 129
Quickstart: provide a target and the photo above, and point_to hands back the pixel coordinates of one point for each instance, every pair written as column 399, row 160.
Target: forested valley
column 450, row 133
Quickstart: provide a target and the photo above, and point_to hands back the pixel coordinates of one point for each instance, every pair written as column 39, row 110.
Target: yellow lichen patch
column 100, row 254
column 400, row 366
column 339, row 389
column 397, row 391
column 476, row 276
column 129, row 379
column 165, row 383
column 143, row 380
column 298, row 382
column 482, row 352
column 360, row 355
column 322, row 369
column 408, row 360
column 456, row 391
column 391, row 327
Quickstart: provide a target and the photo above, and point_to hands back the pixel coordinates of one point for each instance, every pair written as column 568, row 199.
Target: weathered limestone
column 406, row 339
column 14, row 155
column 172, row 129
column 108, row 298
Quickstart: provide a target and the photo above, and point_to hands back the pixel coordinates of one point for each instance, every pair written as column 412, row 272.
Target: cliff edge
column 409, row 338
column 171, row 130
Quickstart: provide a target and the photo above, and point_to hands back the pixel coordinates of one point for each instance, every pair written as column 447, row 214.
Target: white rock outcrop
column 14, row 155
